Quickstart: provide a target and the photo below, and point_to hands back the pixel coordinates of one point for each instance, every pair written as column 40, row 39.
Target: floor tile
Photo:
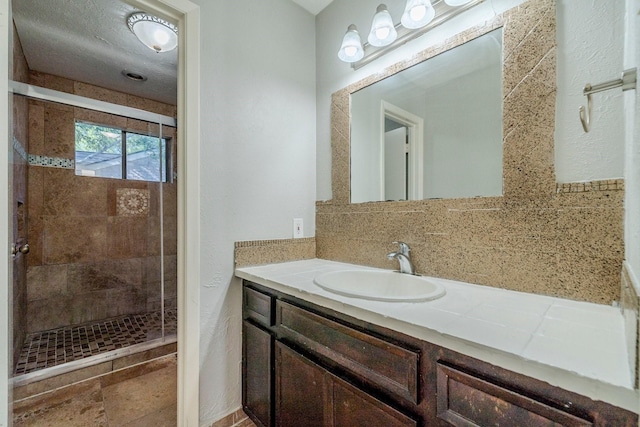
column 78, row 405
column 166, row 417
column 57, row 346
column 136, row 398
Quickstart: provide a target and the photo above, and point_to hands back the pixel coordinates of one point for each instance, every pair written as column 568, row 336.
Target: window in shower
column 109, row 152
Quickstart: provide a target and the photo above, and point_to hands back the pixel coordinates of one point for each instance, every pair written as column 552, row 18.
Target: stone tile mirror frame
column 528, row 97
column 537, row 237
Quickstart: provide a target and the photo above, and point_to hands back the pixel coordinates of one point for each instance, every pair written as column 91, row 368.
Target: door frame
column 415, row 131
column 187, row 15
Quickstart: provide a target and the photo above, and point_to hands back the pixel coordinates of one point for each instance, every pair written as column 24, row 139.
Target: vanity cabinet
column 308, row 365
column 308, row 395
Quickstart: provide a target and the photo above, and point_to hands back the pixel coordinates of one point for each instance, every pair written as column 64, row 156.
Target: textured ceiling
column 89, row 41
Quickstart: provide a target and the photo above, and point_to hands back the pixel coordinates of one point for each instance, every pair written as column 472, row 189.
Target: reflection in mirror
column 433, row 130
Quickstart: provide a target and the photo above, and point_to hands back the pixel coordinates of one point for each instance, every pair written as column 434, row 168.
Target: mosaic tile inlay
column 57, row 346
column 132, row 201
column 582, row 187
column 51, row 162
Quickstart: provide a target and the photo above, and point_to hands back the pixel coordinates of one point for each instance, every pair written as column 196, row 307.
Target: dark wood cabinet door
column 300, row 390
column 353, row 408
column 257, row 370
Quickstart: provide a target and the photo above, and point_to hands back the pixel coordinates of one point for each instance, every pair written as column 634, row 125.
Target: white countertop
column 577, row 346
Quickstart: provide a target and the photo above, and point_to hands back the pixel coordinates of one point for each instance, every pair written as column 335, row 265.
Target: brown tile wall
column 20, row 139
column 93, row 257
column 537, row 237
column 273, row 251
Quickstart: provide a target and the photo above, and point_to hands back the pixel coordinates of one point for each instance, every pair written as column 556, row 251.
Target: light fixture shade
column 455, row 3
column 156, row 33
column 351, row 49
column 383, row 32
column 417, row 14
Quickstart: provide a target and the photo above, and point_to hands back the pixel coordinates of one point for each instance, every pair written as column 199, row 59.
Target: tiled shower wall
column 19, row 198
column 95, row 242
column 540, row 237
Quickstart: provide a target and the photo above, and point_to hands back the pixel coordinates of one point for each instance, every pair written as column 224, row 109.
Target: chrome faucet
column 404, row 258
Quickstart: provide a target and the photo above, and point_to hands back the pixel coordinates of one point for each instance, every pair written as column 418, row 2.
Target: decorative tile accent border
column 132, row 201
column 256, row 252
column 19, row 148
column 583, row 187
column 51, row 162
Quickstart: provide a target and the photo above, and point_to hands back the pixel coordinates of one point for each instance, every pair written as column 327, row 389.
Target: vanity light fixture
column 417, row 14
column 351, row 49
column 155, row 33
column 456, row 3
column 419, row 17
column 383, row 32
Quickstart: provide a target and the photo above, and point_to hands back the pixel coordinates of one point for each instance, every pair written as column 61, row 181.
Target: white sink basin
column 380, row 285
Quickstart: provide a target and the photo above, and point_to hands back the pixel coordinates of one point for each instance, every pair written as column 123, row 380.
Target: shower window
column 109, row 152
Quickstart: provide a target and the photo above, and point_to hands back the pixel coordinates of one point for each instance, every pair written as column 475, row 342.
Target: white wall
column 590, row 50
column 257, row 162
column 632, row 144
column 463, row 130
column 590, row 36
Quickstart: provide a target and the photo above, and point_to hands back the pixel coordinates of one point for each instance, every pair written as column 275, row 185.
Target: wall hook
column 585, row 116
column 627, row 81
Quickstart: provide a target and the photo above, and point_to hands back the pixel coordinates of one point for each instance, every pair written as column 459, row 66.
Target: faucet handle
column 404, row 248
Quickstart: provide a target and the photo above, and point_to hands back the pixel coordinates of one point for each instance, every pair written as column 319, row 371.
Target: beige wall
column 93, row 257
column 561, row 240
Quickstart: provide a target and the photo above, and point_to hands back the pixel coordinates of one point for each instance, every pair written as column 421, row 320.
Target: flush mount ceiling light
column 417, row 14
column 383, row 32
column 419, row 17
column 155, row 33
column 351, row 49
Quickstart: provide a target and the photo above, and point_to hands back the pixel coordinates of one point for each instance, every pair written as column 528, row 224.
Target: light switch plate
column 298, row 231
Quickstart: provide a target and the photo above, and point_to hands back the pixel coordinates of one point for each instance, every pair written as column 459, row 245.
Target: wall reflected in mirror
column 433, row 130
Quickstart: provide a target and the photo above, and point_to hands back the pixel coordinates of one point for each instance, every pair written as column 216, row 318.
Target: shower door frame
column 187, row 15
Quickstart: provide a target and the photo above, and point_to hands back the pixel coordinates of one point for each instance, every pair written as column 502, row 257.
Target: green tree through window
column 99, row 152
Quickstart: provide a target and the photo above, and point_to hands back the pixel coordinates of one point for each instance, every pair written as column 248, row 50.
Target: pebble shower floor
column 57, row 346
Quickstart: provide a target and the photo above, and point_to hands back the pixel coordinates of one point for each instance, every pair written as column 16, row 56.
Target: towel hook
column 585, row 117
column 627, row 81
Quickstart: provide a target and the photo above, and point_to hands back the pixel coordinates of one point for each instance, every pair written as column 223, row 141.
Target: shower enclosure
column 94, row 209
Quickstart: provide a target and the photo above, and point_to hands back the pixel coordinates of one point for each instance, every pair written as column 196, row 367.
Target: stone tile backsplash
column 563, row 240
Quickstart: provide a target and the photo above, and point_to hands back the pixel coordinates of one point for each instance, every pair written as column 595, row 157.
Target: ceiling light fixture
column 419, row 16
column 351, row 49
column 383, row 32
column 155, row 33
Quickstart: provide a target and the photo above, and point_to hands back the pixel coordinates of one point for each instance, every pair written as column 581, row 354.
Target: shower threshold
column 62, row 350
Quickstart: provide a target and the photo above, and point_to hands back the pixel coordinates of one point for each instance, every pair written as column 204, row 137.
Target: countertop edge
column 592, row 388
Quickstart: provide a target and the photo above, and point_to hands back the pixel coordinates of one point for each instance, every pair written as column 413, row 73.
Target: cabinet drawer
column 377, row 362
column 258, row 307
column 467, row 401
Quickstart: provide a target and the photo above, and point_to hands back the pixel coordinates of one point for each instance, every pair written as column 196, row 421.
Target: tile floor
column 140, row 396
column 56, row 346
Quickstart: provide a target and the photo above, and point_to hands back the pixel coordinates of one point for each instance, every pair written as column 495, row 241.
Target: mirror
column 433, row 130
